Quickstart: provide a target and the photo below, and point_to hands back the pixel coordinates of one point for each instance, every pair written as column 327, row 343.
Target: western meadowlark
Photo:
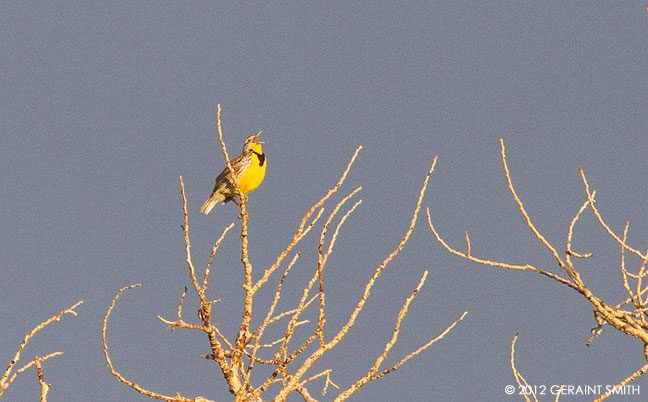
column 249, row 167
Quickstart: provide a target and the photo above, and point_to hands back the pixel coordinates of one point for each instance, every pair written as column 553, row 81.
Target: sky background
column 105, row 104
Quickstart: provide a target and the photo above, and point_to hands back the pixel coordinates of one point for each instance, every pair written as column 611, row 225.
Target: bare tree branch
column 6, row 381
column 373, row 374
column 633, row 323
column 522, row 383
column 121, row 378
column 294, row 380
column 41, row 380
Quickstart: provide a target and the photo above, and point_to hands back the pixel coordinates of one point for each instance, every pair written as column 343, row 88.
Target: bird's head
column 252, row 143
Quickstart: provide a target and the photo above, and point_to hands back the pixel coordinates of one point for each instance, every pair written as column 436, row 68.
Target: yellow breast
column 254, row 174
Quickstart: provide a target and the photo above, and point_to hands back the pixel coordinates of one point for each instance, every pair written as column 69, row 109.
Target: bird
column 249, row 167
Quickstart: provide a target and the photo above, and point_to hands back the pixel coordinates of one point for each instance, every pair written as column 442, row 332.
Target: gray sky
column 104, row 105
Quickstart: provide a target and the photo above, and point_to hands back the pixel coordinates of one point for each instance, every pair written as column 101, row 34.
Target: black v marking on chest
column 261, row 157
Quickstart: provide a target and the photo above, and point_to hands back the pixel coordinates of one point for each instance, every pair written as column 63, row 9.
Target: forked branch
column 632, row 322
column 8, row 378
column 120, row 377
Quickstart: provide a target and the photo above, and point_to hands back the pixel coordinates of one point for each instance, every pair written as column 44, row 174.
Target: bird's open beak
column 256, row 138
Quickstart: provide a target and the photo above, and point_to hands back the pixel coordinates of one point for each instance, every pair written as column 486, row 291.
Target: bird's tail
column 214, row 199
